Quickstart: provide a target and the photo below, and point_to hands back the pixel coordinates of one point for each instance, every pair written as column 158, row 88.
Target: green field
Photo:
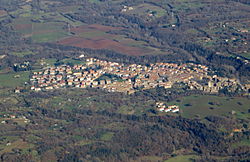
column 182, row 158
column 43, row 26
column 107, row 136
column 146, row 8
column 7, row 146
column 94, row 1
column 12, row 80
column 243, row 142
column 206, row 105
column 23, row 53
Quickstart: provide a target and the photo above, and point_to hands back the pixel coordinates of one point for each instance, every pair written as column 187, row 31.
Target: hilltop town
column 130, row 78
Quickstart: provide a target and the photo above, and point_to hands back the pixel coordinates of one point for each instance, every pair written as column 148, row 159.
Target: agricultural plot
column 94, row 1
column 43, row 27
column 12, row 80
column 96, row 36
column 180, row 5
column 107, row 136
column 182, row 158
column 147, row 11
column 23, row 53
column 243, row 142
column 56, row 27
column 40, row 32
column 202, row 106
column 7, row 147
column 3, row 13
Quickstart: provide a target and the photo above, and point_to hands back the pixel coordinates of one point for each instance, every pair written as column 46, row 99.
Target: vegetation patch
column 243, row 142
column 14, row 79
column 107, row 136
column 3, row 13
column 202, row 106
column 182, row 158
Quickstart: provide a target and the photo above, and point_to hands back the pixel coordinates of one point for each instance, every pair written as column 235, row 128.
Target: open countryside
column 124, row 81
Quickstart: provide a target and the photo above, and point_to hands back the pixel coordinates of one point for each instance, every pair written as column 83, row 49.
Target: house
column 17, row 90
column 102, row 82
column 82, row 86
column 3, row 122
column 161, row 109
column 237, row 130
column 77, row 73
column 12, row 116
column 49, row 88
column 38, row 89
column 108, row 81
column 174, row 110
column 82, row 56
column 95, row 83
column 167, row 109
column 70, row 82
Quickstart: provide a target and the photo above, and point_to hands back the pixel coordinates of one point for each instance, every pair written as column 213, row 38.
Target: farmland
column 98, row 37
column 3, row 13
column 54, row 27
column 145, row 9
column 182, row 158
column 92, row 123
column 202, row 106
column 12, row 80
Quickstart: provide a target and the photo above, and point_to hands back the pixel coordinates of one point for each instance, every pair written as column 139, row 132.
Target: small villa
column 162, row 107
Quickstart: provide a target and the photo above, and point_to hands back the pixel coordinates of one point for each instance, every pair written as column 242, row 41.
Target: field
column 191, row 106
column 43, row 26
column 182, row 158
column 40, row 32
column 3, row 13
column 55, row 27
column 107, row 136
column 145, row 9
column 23, row 53
column 12, row 80
column 9, row 143
column 243, row 142
column 97, row 37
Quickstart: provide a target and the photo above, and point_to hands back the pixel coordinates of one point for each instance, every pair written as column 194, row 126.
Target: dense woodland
column 95, row 125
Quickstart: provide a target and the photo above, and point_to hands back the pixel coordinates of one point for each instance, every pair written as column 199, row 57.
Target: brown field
column 102, row 44
column 22, row 26
column 3, row 13
column 95, row 36
column 92, row 27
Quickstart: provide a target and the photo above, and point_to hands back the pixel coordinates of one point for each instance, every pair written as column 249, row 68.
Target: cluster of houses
column 126, row 8
column 215, row 83
column 162, row 107
column 7, row 117
column 65, row 76
column 133, row 77
column 137, row 76
column 25, row 66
